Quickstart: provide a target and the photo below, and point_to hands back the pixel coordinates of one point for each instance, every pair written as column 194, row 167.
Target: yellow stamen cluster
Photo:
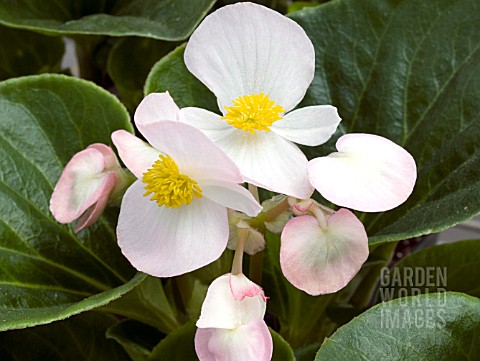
column 253, row 112
column 169, row 187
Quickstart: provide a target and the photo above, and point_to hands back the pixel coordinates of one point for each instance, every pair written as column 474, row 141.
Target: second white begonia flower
column 259, row 64
column 173, row 219
column 231, row 325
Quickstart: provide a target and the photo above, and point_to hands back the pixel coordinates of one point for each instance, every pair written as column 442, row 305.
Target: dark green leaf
column 409, row 71
column 281, row 349
column 158, row 19
column 307, row 353
column 45, row 266
column 170, row 74
column 446, row 267
column 130, row 72
column 136, row 338
column 177, row 346
column 79, row 338
column 441, row 326
column 149, row 304
column 25, row 53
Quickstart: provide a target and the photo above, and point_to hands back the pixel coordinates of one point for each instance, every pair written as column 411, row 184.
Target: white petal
column 230, row 195
column 308, row 126
column 255, row 241
column 221, row 310
column 320, row 261
column 195, row 154
column 269, row 161
column 167, row 242
column 137, row 155
column 209, row 123
column 246, row 49
column 93, row 213
column 369, row 173
column 80, row 185
column 249, row 342
column 155, row 107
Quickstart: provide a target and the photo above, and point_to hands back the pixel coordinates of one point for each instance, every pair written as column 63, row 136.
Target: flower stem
column 237, row 263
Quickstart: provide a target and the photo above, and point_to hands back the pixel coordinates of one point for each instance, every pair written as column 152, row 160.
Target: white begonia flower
column 231, row 325
column 259, row 64
column 369, row 173
column 173, row 219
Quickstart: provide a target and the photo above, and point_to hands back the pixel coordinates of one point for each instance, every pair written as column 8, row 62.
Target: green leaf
column 149, row 304
column 441, row 326
column 281, row 349
column 446, row 267
column 157, row 19
column 307, row 353
column 79, row 338
column 406, row 70
column 130, row 72
column 177, row 346
column 27, row 53
column 45, row 266
column 136, row 338
column 170, row 74
column 13, row 316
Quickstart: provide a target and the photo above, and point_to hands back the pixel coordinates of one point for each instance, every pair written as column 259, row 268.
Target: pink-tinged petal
column 230, row 195
column 195, row 154
column 79, row 187
column 248, row 342
column 269, row 161
column 155, row 107
column 368, row 173
column 300, row 207
column 242, row 287
column 320, row 261
column 137, row 155
column 109, row 156
column 95, row 211
column 166, row 242
column 211, row 124
column 245, row 49
column 308, row 126
column 221, row 310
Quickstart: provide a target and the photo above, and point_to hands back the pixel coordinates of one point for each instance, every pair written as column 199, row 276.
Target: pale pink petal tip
column 85, row 186
column 242, row 287
column 368, row 173
column 246, row 342
column 155, row 107
column 323, row 260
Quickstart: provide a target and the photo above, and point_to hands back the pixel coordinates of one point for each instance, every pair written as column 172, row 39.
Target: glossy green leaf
column 281, row 349
column 170, row 74
column 149, row 304
column 25, row 52
column 79, row 338
column 45, row 266
column 442, row 326
column 136, row 338
column 406, row 70
column 158, row 19
column 446, row 267
column 130, row 72
column 177, row 346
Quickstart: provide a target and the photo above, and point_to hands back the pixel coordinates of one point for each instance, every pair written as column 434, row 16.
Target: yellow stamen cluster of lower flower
column 170, row 188
column 253, row 112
